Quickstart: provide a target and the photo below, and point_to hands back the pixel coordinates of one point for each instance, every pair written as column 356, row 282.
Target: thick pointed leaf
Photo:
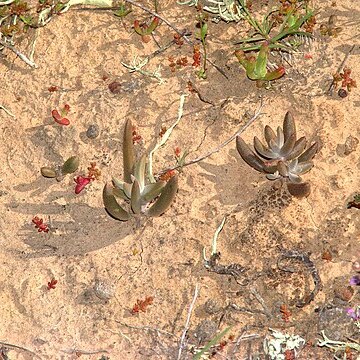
column 135, row 197
column 128, row 151
column 118, row 183
column 139, row 172
column 269, row 134
column 304, row 167
column 119, row 193
column 248, row 155
column 274, row 147
column 262, row 150
column 112, row 206
column 289, row 126
column 70, row 165
column 309, row 153
column 151, row 191
column 282, row 169
column 127, row 190
column 288, row 146
column 295, row 178
column 280, row 137
column 165, row 199
column 299, row 147
column 48, row 172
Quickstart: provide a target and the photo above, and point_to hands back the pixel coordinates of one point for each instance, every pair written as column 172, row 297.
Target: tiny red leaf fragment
column 81, row 182
column 60, row 118
column 51, row 284
column 141, row 305
column 40, row 225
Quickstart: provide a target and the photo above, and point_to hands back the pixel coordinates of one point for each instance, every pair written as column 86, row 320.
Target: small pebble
column 104, row 290
column 93, row 131
column 342, row 93
column 115, row 87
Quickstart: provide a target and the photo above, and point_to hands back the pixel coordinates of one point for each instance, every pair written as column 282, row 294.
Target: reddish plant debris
column 53, row 88
column 40, row 225
column 177, row 63
column 308, row 56
column 115, row 87
column 51, row 284
column 177, row 152
column 141, row 305
column 60, row 117
column 93, row 172
column 285, row 312
column 196, row 56
column 178, row 40
column 326, row 255
column 348, row 354
column 136, row 136
column 310, row 24
column 81, row 182
column 168, row 175
column 162, row 131
column 289, row 354
column 347, row 83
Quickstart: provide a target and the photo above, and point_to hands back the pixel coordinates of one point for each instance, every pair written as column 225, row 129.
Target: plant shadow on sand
column 74, row 234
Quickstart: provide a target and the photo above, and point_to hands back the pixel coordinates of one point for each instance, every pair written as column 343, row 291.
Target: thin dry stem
column 186, row 328
column 226, row 142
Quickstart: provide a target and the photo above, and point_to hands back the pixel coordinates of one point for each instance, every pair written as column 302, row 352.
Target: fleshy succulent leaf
column 262, row 150
column 127, row 190
column 118, row 183
column 48, row 172
column 151, row 191
column 269, row 134
column 165, row 199
column 248, row 155
column 289, row 127
column 282, row 169
column 309, row 153
column 299, row 147
column 135, row 197
column 288, row 146
column 303, row 167
column 70, row 165
column 128, row 151
column 139, row 172
column 119, row 193
column 112, row 206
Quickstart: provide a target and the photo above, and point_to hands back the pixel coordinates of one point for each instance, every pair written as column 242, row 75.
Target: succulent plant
column 283, row 156
column 69, row 167
column 151, row 199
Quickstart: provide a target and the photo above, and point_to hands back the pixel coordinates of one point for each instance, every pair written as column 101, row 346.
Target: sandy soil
column 104, row 266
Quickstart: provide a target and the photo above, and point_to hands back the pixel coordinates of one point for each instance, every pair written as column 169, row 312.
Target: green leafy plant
column 283, row 156
column 59, row 171
column 140, row 197
column 268, row 35
column 202, row 24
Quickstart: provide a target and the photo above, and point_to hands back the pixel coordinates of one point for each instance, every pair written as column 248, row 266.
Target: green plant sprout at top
column 269, row 35
column 283, row 155
column 140, row 197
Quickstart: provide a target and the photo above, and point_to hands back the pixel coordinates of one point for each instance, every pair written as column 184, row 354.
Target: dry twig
column 203, row 157
column 186, row 328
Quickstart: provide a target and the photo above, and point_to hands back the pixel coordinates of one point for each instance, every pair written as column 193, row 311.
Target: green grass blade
column 211, row 343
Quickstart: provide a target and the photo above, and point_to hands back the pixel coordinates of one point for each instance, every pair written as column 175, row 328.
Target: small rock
column 115, row 87
column 351, row 144
column 104, row 290
column 93, row 131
